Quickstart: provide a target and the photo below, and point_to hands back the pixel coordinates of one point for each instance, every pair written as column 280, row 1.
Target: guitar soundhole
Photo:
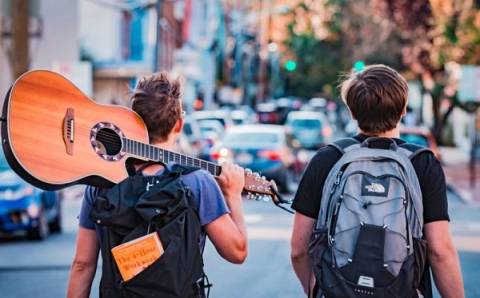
column 106, row 140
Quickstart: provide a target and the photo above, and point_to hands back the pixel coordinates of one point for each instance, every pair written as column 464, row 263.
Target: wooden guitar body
column 50, row 136
column 54, row 136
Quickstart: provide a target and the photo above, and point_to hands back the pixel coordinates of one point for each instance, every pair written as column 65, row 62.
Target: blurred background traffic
column 260, row 88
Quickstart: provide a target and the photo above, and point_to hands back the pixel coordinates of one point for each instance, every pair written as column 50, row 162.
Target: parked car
column 310, row 129
column 211, row 131
column 267, row 113
column 191, row 142
column 26, row 208
column 242, row 117
column 222, row 116
column 261, row 148
column 318, row 104
column 285, row 105
column 421, row 136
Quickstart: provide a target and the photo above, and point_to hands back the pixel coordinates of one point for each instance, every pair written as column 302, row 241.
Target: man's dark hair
column 376, row 97
column 156, row 99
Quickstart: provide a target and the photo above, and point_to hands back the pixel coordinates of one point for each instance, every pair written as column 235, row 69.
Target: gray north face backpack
column 368, row 238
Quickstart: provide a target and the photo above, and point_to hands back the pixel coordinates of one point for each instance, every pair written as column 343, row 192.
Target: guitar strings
column 113, row 139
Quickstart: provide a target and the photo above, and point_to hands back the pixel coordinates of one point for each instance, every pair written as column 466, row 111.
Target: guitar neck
column 150, row 152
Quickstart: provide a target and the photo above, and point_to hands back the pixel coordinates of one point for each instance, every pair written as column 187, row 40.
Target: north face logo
column 375, row 187
column 372, row 186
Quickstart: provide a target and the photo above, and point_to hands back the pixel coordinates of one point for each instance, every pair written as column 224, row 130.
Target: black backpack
column 138, row 206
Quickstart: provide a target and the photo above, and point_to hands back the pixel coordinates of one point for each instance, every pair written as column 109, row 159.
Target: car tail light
column 270, row 154
column 220, row 154
column 215, row 155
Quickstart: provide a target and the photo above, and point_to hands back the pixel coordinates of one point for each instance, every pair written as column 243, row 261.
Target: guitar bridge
column 69, row 130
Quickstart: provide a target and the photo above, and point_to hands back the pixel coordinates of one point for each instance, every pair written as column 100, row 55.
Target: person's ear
column 404, row 112
column 178, row 126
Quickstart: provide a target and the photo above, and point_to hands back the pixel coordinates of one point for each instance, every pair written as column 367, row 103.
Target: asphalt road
column 40, row 269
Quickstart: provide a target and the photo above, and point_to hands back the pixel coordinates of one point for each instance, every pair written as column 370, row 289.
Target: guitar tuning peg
column 264, row 178
column 257, row 175
column 266, row 198
column 258, row 198
column 248, row 171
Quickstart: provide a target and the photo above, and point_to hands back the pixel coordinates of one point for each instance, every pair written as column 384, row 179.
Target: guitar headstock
column 257, row 186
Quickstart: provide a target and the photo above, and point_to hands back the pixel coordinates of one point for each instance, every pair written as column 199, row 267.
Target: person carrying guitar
column 157, row 100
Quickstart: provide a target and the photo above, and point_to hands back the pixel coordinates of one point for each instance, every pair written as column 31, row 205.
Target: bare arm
column 444, row 259
column 84, row 264
column 228, row 233
column 302, row 231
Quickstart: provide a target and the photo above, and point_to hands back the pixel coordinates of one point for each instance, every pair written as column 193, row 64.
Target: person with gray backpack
column 371, row 211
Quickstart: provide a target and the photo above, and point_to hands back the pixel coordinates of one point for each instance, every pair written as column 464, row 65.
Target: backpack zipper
column 338, row 203
column 332, row 191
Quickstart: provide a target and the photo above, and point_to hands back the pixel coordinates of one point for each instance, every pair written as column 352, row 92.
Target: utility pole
column 19, row 54
column 265, row 39
column 157, row 59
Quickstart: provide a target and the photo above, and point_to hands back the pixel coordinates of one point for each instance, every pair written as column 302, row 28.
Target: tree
column 326, row 37
column 435, row 33
column 316, row 53
column 19, row 53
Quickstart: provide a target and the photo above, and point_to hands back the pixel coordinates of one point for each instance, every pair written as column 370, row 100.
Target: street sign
column 468, row 84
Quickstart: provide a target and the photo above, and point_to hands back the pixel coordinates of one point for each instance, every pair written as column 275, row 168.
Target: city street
column 41, row 269
column 89, row 86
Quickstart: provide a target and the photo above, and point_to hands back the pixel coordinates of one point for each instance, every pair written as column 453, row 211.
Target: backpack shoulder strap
column 342, row 144
column 413, row 150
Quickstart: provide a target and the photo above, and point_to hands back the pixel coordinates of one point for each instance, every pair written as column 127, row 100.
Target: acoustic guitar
column 55, row 136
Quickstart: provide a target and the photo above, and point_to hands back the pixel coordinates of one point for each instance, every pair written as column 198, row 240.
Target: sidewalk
column 457, row 171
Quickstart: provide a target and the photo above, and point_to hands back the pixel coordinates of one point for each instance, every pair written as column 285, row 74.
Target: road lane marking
column 253, row 218
column 467, row 243
column 269, row 233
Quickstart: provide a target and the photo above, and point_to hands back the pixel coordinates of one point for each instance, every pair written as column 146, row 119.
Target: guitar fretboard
column 147, row 151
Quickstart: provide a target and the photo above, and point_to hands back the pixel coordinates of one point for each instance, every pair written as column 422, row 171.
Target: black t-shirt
column 429, row 172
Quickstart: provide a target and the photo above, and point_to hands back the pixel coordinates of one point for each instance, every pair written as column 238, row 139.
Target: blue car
column 26, row 208
column 310, row 129
column 263, row 148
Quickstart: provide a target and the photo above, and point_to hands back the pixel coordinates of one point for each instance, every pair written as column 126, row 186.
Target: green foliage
column 318, row 61
column 318, row 65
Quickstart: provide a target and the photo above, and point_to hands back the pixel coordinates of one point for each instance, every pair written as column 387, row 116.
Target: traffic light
column 359, row 65
column 290, row 65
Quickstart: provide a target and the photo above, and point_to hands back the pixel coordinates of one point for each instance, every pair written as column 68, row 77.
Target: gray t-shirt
column 206, row 195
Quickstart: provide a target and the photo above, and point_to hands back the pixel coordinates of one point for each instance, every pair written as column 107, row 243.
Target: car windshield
column 306, row 123
column 221, row 120
column 254, row 138
column 208, row 129
column 3, row 162
column 414, row 139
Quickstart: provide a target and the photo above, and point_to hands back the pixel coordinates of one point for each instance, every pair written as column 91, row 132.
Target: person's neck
column 394, row 133
column 169, row 144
